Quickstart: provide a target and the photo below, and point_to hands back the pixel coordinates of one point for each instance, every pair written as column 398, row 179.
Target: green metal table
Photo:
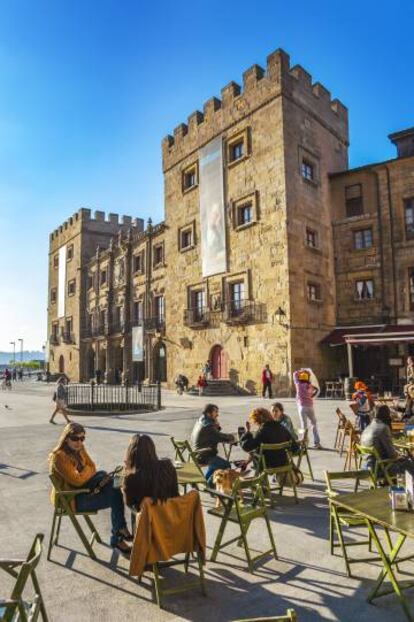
column 404, row 443
column 375, row 507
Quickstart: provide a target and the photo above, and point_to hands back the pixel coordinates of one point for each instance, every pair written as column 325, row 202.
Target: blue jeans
column 215, row 464
column 109, row 497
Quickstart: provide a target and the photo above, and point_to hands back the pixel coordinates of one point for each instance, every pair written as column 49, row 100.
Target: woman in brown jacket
column 72, row 466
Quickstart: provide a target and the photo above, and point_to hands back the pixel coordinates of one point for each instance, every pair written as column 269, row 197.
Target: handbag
column 107, row 479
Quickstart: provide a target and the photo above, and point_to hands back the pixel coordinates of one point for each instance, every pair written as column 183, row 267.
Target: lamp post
column 21, row 353
column 13, row 343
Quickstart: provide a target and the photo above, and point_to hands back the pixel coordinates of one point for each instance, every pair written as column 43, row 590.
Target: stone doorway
column 219, row 362
column 160, row 362
column 61, row 364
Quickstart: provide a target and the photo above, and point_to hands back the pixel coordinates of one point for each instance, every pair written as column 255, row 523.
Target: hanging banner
column 137, row 343
column 62, row 281
column 212, row 216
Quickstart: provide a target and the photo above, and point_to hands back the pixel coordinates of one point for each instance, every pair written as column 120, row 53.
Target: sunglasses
column 75, row 438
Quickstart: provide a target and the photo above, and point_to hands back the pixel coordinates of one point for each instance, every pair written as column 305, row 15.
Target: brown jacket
column 64, row 468
column 166, row 529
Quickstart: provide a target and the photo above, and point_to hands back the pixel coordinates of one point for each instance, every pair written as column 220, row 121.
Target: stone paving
column 78, row 589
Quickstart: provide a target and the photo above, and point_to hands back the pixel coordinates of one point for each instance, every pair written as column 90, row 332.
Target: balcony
column 117, row 327
column 54, row 340
column 198, row 317
column 154, row 324
column 67, row 337
column 243, row 312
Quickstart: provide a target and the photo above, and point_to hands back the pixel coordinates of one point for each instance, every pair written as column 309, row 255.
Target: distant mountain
column 6, row 357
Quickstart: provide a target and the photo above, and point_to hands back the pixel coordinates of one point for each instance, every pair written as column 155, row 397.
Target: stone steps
column 218, row 388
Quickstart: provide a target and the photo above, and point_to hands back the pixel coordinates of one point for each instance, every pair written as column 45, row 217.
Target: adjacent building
column 270, row 248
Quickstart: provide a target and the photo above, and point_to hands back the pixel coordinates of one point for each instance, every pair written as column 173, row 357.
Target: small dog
column 223, row 480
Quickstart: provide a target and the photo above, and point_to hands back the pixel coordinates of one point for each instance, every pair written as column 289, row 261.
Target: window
column 198, row 304
column 71, row 287
column 53, row 295
column 189, row 179
column 103, row 277
column 55, row 331
column 314, row 292
column 237, row 296
column 364, row 289
column 138, row 312
column 90, row 281
column 311, row 238
column 244, row 214
column 69, row 253
column 307, row 170
column 236, row 151
column 353, row 200
column 138, row 261
column 409, row 218
column 56, row 261
column 102, row 318
column 363, row 239
column 411, row 288
column 159, row 308
column 237, row 147
column 67, row 332
column 158, row 255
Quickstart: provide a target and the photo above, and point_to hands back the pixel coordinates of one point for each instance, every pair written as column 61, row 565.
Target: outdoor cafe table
column 375, row 507
column 405, row 444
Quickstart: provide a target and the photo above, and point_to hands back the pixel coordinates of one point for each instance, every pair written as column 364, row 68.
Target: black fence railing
column 154, row 324
column 54, row 340
column 243, row 312
column 68, row 337
column 197, row 317
column 113, row 397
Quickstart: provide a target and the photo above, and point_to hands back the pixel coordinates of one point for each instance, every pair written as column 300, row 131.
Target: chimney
column 404, row 141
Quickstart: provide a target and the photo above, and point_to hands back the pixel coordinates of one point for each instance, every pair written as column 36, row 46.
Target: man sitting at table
column 205, row 437
column 268, row 431
column 378, row 435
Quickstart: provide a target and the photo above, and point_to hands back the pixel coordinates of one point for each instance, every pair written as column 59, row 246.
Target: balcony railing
column 152, row 324
column 118, row 326
column 67, row 337
column 54, row 340
column 243, row 312
column 198, row 317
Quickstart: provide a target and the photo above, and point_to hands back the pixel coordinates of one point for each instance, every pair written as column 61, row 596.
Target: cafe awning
column 379, row 334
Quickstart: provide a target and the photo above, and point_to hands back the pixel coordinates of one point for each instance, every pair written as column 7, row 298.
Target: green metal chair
column 281, row 473
column 380, row 472
column 242, row 513
column 15, row 609
column 289, row 617
column 63, row 509
column 185, row 453
column 340, row 519
column 303, row 453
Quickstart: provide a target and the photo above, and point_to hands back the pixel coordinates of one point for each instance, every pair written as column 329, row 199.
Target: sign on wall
column 212, row 216
column 137, row 343
column 62, row 281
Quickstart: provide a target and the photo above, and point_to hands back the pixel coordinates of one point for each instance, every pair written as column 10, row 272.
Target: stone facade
column 290, row 269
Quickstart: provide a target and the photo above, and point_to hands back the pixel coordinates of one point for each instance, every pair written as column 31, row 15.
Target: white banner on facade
column 212, row 217
column 62, row 281
column 137, row 343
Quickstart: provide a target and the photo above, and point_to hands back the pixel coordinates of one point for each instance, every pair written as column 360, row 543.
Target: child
column 201, row 383
column 362, row 397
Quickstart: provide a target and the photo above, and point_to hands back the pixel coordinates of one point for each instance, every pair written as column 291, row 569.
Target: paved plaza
column 75, row 588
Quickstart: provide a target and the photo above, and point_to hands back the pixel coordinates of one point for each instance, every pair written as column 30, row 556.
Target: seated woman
column 269, row 431
column 378, row 434
column 145, row 475
column 279, row 415
column 70, row 463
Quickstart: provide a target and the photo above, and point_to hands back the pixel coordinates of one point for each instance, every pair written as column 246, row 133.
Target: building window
column 411, row 288
column 56, row 261
column 53, row 295
column 102, row 318
column 139, row 263
column 409, row 218
column 103, row 277
column 90, row 281
column 364, row 289
column 138, row 312
column 158, row 255
column 71, row 287
column 69, row 253
column 311, row 238
column 237, row 296
column 236, row 151
column 363, row 239
column 314, row 292
column 307, row 170
column 245, row 211
column 237, row 147
column 159, row 308
column 353, row 200
column 198, row 303
column 189, row 177
column 55, row 331
column 244, row 214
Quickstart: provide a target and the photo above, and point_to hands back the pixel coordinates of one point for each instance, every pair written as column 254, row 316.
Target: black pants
column 267, row 386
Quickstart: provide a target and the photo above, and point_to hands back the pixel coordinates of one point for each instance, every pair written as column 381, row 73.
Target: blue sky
column 89, row 88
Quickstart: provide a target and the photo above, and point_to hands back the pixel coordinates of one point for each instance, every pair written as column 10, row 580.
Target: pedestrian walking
column 305, row 393
column 201, row 383
column 207, row 369
column 60, row 399
column 267, row 378
column 363, row 401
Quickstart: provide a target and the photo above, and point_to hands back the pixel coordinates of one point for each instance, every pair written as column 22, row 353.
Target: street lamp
column 13, row 343
column 280, row 315
column 21, row 352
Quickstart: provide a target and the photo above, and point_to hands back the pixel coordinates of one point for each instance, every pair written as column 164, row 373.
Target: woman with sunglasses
column 72, row 466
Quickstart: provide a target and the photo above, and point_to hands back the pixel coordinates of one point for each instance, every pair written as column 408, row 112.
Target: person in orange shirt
column 72, row 466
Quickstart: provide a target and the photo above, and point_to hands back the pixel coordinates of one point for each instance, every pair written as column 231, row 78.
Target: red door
column 219, row 363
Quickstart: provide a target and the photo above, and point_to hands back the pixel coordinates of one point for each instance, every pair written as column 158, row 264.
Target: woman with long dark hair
column 146, row 475
column 71, row 464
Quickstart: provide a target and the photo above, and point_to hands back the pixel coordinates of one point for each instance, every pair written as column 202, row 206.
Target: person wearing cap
column 362, row 398
column 305, row 393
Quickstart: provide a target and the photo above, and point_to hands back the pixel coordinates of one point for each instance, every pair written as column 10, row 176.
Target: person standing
column 362, row 398
column 305, row 392
column 60, row 398
column 267, row 378
column 207, row 370
column 201, row 383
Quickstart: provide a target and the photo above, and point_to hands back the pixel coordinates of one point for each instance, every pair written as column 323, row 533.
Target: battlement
column 83, row 218
column 259, row 86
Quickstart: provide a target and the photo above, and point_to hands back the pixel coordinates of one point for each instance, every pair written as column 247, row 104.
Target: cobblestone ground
column 77, row 589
